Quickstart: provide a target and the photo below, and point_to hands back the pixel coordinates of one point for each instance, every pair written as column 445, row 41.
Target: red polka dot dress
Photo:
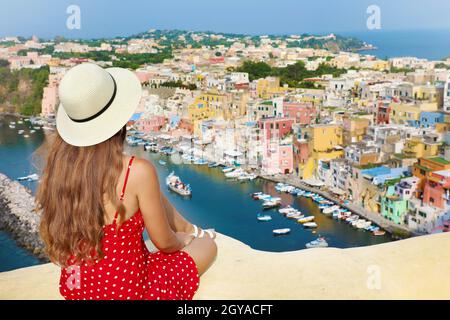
column 128, row 270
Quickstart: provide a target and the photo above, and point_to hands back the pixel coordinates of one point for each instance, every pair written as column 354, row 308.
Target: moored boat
column 263, row 217
column 310, row 225
column 318, row 243
column 379, row 233
column 281, row 231
column 306, row 219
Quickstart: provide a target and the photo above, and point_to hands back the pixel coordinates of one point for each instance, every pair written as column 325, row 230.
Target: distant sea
column 429, row 44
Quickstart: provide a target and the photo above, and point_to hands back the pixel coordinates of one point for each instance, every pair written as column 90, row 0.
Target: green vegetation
column 292, row 75
column 400, row 70
column 179, row 84
column 22, row 90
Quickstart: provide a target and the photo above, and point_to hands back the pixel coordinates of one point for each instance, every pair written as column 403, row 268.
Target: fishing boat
column 379, row 233
column 12, row 126
column 200, row 161
column 269, row 204
column 48, row 128
column 26, row 136
column 247, row 177
column 263, row 217
column 227, row 169
column 278, row 232
column 330, row 210
column 305, row 219
column 234, row 174
column 318, row 243
column 295, row 215
column 162, row 162
column 32, row 131
column 31, row 177
column 286, row 210
column 20, row 122
column 213, row 165
column 12, row 122
column 310, row 225
column 36, row 128
column 20, row 131
column 175, row 184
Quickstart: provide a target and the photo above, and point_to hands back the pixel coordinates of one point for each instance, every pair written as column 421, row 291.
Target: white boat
column 295, row 215
column 36, row 128
column 174, row 183
column 330, row 210
column 286, row 210
column 31, row 177
column 12, row 122
column 32, row 131
column 26, row 136
column 20, row 122
column 227, row 169
column 12, row 126
column 247, row 177
column 20, row 131
column 269, row 204
column 263, row 217
column 318, row 243
column 306, row 219
column 310, row 225
column 281, row 231
column 361, row 224
column 48, row 128
column 234, row 174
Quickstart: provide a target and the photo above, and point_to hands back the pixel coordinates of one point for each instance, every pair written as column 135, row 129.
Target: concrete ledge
column 416, row 268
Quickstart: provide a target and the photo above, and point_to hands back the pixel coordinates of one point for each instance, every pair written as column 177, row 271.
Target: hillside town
column 371, row 132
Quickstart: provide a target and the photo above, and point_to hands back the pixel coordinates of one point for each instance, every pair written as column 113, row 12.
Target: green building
column 393, row 207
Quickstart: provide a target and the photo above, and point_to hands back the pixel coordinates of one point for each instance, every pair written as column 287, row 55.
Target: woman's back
column 128, row 270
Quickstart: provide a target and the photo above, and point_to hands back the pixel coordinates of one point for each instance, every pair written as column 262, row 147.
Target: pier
column 391, row 227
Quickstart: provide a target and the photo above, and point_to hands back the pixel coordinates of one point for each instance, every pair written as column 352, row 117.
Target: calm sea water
column 216, row 203
column 429, row 44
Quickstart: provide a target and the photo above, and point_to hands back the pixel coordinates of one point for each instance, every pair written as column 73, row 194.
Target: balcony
column 243, row 273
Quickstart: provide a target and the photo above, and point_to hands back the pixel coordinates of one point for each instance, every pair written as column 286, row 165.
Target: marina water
column 216, row 202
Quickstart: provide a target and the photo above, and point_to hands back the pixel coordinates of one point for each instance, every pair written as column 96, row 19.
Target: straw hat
column 95, row 103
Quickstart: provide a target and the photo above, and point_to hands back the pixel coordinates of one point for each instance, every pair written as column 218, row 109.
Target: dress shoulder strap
column 122, row 193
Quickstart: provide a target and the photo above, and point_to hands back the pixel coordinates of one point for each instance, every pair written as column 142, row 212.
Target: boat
column 32, row 131
column 213, row 165
column 281, row 231
column 263, row 217
column 12, row 123
column 310, row 225
column 379, row 233
column 12, row 126
column 200, row 161
column 330, row 210
column 295, row 215
column 234, row 174
column 36, row 128
column 26, row 136
column 286, row 210
column 20, row 122
column 227, row 169
column 318, row 243
column 20, row 131
column 175, row 184
column 269, row 204
column 162, row 162
column 48, row 128
column 247, row 177
column 306, row 219
column 31, row 177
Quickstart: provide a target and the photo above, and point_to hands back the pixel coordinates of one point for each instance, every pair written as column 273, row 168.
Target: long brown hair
column 76, row 183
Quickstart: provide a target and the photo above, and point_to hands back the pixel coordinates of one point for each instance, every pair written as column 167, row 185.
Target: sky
column 110, row 18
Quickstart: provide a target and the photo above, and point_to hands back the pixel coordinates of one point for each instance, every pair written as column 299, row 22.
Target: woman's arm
column 177, row 222
column 153, row 210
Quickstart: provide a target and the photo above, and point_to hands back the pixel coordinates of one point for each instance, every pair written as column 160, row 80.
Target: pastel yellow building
column 200, row 110
column 406, row 113
column 269, row 88
column 324, row 143
column 417, row 148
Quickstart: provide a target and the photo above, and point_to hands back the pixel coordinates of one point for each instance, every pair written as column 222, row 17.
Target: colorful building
column 304, row 113
column 393, row 207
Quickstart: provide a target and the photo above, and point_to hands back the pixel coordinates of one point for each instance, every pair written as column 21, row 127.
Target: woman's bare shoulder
column 144, row 171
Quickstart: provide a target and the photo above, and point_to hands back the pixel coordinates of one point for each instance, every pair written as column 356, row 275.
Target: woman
column 96, row 202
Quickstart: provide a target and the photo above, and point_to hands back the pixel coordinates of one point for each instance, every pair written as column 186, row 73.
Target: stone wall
column 17, row 215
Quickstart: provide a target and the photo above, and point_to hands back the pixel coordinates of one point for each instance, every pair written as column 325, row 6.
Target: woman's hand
column 184, row 238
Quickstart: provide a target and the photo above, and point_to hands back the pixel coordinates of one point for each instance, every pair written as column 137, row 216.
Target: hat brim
column 107, row 124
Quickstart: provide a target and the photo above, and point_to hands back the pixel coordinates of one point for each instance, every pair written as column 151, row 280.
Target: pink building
column 275, row 128
column 49, row 101
column 436, row 191
column 144, row 77
column 304, row 113
column 152, row 124
column 277, row 158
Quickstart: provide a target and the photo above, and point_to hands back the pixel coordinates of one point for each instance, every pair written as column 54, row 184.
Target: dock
column 390, row 227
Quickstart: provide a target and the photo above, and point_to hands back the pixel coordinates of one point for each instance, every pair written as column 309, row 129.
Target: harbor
column 218, row 202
